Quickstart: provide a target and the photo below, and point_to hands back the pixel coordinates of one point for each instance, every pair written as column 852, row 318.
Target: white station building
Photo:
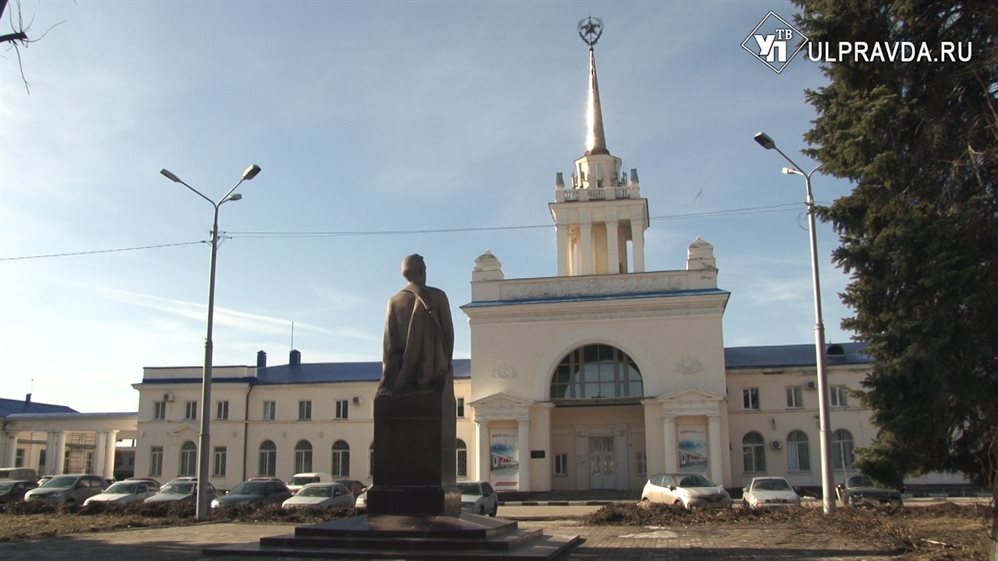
column 591, row 379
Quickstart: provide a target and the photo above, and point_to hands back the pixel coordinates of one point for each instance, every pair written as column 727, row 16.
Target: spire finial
column 591, row 29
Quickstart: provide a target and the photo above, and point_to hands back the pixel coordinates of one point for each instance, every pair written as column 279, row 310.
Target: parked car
column 478, row 497
column 769, row 492
column 325, row 495
column 685, row 490
column 361, row 502
column 255, row 492
column 68, row 489
column 300, row 480
column 859, row 490
column 356, row 487
column 182, row 489
column 18, row 474
column 127, row 491
column 13, row 490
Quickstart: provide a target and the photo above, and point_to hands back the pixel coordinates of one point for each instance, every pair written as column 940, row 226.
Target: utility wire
column 333, row 234
column 75, row 253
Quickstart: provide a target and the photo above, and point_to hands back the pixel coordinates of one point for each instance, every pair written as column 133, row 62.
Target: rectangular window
column 156, row 460
column 839, row 396
column 159, row 410
column 304, row 410
column 750, row 398
column 219, row 469
column 342, row 409
column 269, row 410
column 19, row 458
column 191, row 410
column 462, row 462
column 222, row 410
column 641, row 461
column 795, row 398
column 561, row 464
column 460, row 407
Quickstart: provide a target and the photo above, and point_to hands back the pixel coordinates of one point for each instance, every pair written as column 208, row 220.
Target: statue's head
column 414, row 268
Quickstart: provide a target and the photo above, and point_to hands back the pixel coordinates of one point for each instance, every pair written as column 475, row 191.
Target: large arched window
column 268, row 458
column 596, row 371
column 303, row 456
column 188, row 458
column 841, row 449
column 798, row 457
column 341, row 459
column 462, row 458
column 754, row 453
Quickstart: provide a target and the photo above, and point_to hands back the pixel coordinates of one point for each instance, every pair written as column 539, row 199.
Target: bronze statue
column 419, row 336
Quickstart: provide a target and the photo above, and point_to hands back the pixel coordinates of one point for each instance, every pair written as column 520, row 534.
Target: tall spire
column 590, row 29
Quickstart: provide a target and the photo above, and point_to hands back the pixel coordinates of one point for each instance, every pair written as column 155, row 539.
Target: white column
column 50, row 446
column 716, row 455
column 100, row 454
column 112, row 442
column 671, row 454
column 586, row 249
column 612, row 247
column 482, row 446
column 638, row 242
column 11, row 455
column 542, row 430
column 563, row 250
column 60, row 454
column 523, row 443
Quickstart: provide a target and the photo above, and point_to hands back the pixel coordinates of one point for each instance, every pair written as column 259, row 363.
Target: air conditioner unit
column 168, row 397
column 775, row 445
column 357, row 400
column 812, row 385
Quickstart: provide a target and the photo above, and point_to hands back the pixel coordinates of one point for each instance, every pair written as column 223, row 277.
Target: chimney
column 27, row 399
column 261, row 359
column 295, row 359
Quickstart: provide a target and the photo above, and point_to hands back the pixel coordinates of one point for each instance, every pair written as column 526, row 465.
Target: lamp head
column 169, row 175
column 251, row 172
column 764, row 140
column 233, row 197
column 792, row 171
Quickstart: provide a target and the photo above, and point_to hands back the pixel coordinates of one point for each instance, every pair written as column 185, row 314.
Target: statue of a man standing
column 419, row 336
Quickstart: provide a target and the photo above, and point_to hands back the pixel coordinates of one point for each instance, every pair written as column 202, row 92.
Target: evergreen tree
column 919, row 232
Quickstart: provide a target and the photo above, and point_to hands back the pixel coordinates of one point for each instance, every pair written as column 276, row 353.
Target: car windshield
column 182, row 488
column 6, row 488
column 249, row 488
column 470, row 488
column 304, row 479
column 60, row 482
column 771, row 485
column 860, row 481
column 695, row 481
column 122, row 488
column 317, row 491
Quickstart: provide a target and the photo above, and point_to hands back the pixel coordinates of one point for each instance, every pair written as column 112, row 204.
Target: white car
column 685, row 490
column 769, row 492
column 300, row 480
column 325, row 495
column 128, row 491
column 478, row 497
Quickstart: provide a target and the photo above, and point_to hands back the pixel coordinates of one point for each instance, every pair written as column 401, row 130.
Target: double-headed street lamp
column 827, row 485
column 204, row 440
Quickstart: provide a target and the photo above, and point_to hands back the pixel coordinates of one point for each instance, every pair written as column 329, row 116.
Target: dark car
column 255, row 492
column 182, row 489
column 12, row 491
column 859, row 490
column 356, row 487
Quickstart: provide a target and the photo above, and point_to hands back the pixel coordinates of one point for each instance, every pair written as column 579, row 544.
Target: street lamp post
column 204, row 440
column 827, row 485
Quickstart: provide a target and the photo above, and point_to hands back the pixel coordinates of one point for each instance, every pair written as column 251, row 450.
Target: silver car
column 323, row 495
column 685, row 490
column 769, row 492
column 70, row 489
column 128, row 491
column 478, row 497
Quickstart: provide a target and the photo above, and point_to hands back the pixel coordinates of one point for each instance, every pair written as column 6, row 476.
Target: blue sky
column 367, row 117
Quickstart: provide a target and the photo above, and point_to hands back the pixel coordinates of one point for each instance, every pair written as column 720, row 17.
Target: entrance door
column 601, row 462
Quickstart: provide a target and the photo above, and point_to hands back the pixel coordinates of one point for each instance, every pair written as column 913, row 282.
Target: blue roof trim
column 781, row 356
column 316, row 373
column 597, row 298
column 16, row 406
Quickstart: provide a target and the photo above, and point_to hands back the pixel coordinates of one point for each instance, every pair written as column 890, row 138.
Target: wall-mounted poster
column 505, row 459
column 693, row 448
